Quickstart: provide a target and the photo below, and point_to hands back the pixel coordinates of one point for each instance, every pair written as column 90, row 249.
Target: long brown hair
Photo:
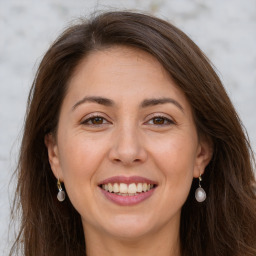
column 224, row 225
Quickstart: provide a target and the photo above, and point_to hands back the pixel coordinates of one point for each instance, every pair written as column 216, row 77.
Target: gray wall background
column 224, row 29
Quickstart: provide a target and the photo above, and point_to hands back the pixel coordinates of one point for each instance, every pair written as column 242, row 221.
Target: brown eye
column 160, row 121
column 96, row 120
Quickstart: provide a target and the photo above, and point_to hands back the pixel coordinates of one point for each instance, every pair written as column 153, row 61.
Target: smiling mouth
column 124, row 189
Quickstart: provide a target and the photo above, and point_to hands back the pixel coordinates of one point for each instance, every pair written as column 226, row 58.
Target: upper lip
column 127, row 180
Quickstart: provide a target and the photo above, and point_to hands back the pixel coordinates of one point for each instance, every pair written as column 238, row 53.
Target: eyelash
column 165, row 119
column 90, row 119
column 86, row 122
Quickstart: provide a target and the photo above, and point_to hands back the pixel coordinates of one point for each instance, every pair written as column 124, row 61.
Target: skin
column 127, row 140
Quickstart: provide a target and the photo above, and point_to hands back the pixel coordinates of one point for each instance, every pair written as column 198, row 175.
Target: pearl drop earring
column 200, row 194
column 61, row 194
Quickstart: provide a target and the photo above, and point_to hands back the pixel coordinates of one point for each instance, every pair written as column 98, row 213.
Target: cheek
column 79, row 155
column 79, row 160
column 176, row 152
column 175, row 158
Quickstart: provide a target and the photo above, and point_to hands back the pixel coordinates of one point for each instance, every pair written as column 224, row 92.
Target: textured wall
column 224, row 29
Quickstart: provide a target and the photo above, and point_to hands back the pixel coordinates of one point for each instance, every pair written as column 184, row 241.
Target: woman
column 131, row 146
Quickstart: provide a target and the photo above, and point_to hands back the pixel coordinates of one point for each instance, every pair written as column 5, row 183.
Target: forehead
column 117, row 61
column 123, row 74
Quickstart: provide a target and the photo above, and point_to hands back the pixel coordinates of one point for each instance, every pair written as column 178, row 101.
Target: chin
column 129, row 227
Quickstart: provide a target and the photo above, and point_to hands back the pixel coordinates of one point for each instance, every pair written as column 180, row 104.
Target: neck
column 164, row 242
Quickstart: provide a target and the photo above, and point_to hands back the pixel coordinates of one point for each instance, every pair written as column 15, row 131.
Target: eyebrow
column 95, row 99
column 110, row 103
column 153, row 102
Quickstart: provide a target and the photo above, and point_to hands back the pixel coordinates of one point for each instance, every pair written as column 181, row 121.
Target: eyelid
column 155, row 115
column 87, row 118
column 94, row 115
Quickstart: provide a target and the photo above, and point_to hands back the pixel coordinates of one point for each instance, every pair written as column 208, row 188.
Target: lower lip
column 128, row 200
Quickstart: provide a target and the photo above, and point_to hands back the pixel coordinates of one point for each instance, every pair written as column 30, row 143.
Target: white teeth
column 139, row 187
column 132, row 188
column 116, row 188
column 123, row 188
column 110, row 187
column 127, row 189
column 144, row 187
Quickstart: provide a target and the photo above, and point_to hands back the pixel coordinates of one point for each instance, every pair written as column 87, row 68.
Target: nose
column 127, row 147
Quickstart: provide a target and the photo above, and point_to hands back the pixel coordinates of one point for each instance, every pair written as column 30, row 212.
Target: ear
column 53, row 155
column 204, row 156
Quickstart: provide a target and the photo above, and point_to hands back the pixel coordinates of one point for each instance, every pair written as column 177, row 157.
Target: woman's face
column 124, row 126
